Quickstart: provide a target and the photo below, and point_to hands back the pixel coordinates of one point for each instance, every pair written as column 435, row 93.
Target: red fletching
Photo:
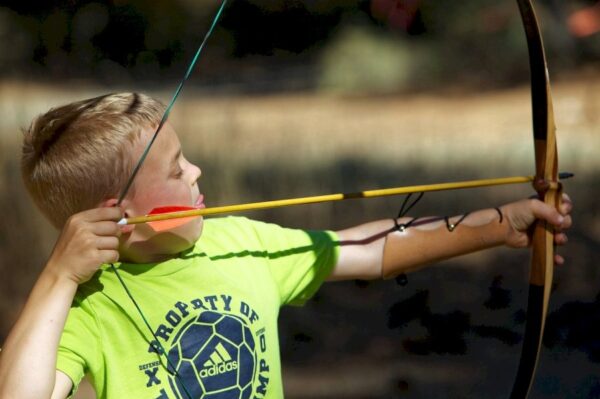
column 168, row 224
column 170, row 209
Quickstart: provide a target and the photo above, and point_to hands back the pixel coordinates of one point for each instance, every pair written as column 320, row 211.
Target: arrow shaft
column 330, row 198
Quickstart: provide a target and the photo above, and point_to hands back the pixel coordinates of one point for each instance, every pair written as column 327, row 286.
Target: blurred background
column 295, row 98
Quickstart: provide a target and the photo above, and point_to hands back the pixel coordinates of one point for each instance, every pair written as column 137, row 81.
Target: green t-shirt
column 213, row 310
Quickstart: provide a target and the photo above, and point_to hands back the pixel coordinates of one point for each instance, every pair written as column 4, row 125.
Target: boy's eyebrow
column 175, row 158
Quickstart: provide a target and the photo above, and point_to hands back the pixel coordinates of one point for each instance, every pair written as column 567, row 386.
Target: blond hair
column 77, row 155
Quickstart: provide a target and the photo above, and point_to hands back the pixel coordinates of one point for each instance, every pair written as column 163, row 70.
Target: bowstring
column 163, row 120
column 156, row 344
column 134, row 173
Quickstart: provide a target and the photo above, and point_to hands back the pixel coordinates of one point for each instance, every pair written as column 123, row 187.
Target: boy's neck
column 143, row 248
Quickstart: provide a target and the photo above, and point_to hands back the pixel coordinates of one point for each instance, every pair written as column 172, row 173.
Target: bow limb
column 548, row 189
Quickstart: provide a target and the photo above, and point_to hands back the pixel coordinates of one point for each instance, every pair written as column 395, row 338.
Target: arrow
column 168, row 217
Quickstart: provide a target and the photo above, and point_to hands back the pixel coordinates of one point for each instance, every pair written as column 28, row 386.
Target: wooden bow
column 546, row 167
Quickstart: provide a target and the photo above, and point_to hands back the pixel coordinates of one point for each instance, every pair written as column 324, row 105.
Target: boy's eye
column 178, row 173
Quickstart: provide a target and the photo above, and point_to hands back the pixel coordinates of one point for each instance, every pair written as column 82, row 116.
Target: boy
column 189, row 312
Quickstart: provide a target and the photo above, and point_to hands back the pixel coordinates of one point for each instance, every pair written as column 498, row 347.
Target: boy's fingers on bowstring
column 108, row 255
column 109, row 243
column 102, row 214
column 106, row 228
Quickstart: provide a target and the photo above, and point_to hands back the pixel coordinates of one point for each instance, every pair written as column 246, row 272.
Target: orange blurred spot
column 398, row 14
column 585, row 22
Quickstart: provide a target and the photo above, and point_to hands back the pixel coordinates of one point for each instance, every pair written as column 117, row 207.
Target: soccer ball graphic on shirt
column 215, row 358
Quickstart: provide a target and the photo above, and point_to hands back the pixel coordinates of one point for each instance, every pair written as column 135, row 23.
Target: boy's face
column 165, row 178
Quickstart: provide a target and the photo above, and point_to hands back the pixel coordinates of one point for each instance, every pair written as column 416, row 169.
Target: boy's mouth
column 199, row 202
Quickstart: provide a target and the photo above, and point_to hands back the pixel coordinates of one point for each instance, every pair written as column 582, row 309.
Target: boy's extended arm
column 28, row 357
column 377, row 249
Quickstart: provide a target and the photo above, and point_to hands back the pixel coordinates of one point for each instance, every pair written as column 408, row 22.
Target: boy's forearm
column 28, row 357
column 377, row 249
column 430, row 240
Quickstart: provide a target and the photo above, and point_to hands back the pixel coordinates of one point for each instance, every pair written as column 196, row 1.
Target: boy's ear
column 128, row 228
column 107, row 203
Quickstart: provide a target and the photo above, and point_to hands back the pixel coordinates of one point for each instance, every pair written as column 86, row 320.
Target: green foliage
column 362, row 59
column 475, row 42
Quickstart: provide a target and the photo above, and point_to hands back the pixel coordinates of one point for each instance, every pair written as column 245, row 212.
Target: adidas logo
column 219, row 362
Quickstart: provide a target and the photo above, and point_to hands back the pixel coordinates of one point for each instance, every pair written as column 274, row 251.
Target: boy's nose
column 197, row 173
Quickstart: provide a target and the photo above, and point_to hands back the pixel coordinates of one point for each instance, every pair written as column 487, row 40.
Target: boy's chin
column 178, row 240
column 163, row 245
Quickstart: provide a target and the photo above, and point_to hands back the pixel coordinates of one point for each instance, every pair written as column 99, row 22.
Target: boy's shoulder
column 220, row 237
column 221, row 224
column 224, row 233
column 237, row 229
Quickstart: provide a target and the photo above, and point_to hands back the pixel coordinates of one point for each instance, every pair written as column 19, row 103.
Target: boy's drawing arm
column 380, row 249
column 62, row 386
column 28, row 357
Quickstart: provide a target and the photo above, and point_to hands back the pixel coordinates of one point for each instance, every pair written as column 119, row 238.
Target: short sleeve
column 299, row 260
column 79, row 344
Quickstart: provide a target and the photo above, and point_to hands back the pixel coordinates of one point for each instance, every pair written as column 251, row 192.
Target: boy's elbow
column 12, row 387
